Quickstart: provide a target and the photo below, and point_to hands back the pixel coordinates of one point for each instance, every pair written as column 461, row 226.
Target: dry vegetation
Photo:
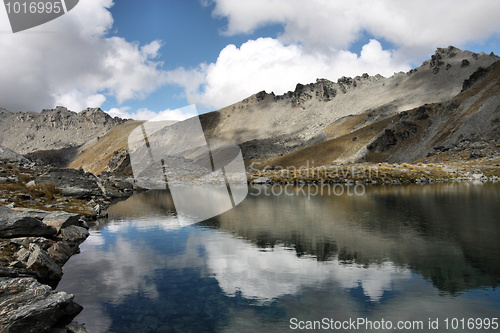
column 95, row 156
column 15, row 188
column 379, row 173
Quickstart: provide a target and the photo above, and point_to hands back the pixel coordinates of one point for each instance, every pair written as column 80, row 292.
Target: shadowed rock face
column 34, row 245
column 26, row 305
column 15, row 224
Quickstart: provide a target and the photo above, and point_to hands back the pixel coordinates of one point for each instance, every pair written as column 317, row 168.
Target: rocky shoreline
column 43, row 220
column 34, row 246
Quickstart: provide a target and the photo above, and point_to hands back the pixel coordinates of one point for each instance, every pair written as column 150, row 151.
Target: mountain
column 463, row 128
column 27, row 132
column 267, row 126
column 445, row 110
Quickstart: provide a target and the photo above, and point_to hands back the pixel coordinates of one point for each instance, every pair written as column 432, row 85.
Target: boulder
column 74, row 234
column 43, row 266
column 10, row 156
column 16, row 224
column 77, row 192
column 29, row 306
column 61, row 220
column 60, row 252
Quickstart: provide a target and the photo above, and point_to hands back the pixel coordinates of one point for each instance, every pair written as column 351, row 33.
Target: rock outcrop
column 85, row 185
column 28, row 306
column 268, row 125
column 10, row 156
column 463, row 128
column 16, row 224
column 34, row 245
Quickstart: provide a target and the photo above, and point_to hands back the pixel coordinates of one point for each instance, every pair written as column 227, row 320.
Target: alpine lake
column 379, row 258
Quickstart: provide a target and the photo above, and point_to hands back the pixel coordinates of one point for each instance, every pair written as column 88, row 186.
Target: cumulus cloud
column 146, row 114
column 70, row 61
column 416, row 25
column 268, row 64
column 316, row 39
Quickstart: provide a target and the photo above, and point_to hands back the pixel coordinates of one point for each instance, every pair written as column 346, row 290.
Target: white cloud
column 146, row 114
column 316, row 39
column 70, row 61
column 416, row 26
column 268, row 64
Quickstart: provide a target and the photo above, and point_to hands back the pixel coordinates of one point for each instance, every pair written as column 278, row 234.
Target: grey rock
column 31, row 183
column 74, row 183
column 31, row 212
column 23, row 254
column 16, row 224
column 9, row 156
column 44, row 267
column 77, row 192
column 75, row 328
column 74, row 234
column 29, row 306
column 61, row 220
column 262, row 180
column 43, row 242
column 60, row 252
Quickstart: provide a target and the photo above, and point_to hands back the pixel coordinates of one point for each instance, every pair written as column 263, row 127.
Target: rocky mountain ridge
column 463, row 128
column 268, row 126
column 27, row 132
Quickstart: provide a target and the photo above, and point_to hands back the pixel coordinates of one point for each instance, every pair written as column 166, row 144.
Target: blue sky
column 190, row 36
column 140, row 58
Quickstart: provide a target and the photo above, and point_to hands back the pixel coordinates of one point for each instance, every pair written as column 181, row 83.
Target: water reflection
column 399, row 253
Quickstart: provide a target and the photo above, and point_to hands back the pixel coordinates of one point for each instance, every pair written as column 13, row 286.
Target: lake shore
column 375, row 173
column 43, row 220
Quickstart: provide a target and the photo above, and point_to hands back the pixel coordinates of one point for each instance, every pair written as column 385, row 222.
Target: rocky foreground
column 34, row 245
column 43, row 220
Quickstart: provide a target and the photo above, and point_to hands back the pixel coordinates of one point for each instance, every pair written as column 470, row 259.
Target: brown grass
column 47, row 190
column 45, row 196
column 95, row 156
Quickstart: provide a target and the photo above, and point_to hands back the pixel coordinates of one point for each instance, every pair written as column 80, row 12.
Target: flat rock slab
column 31, row 212
column 17, row 224
column 28, row 306
column 61, row 220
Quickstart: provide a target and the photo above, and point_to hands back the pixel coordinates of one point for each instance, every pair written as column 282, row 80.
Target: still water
column 417, row 256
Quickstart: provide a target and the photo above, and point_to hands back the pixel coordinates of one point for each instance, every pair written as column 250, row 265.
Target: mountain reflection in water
column 396, row 252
